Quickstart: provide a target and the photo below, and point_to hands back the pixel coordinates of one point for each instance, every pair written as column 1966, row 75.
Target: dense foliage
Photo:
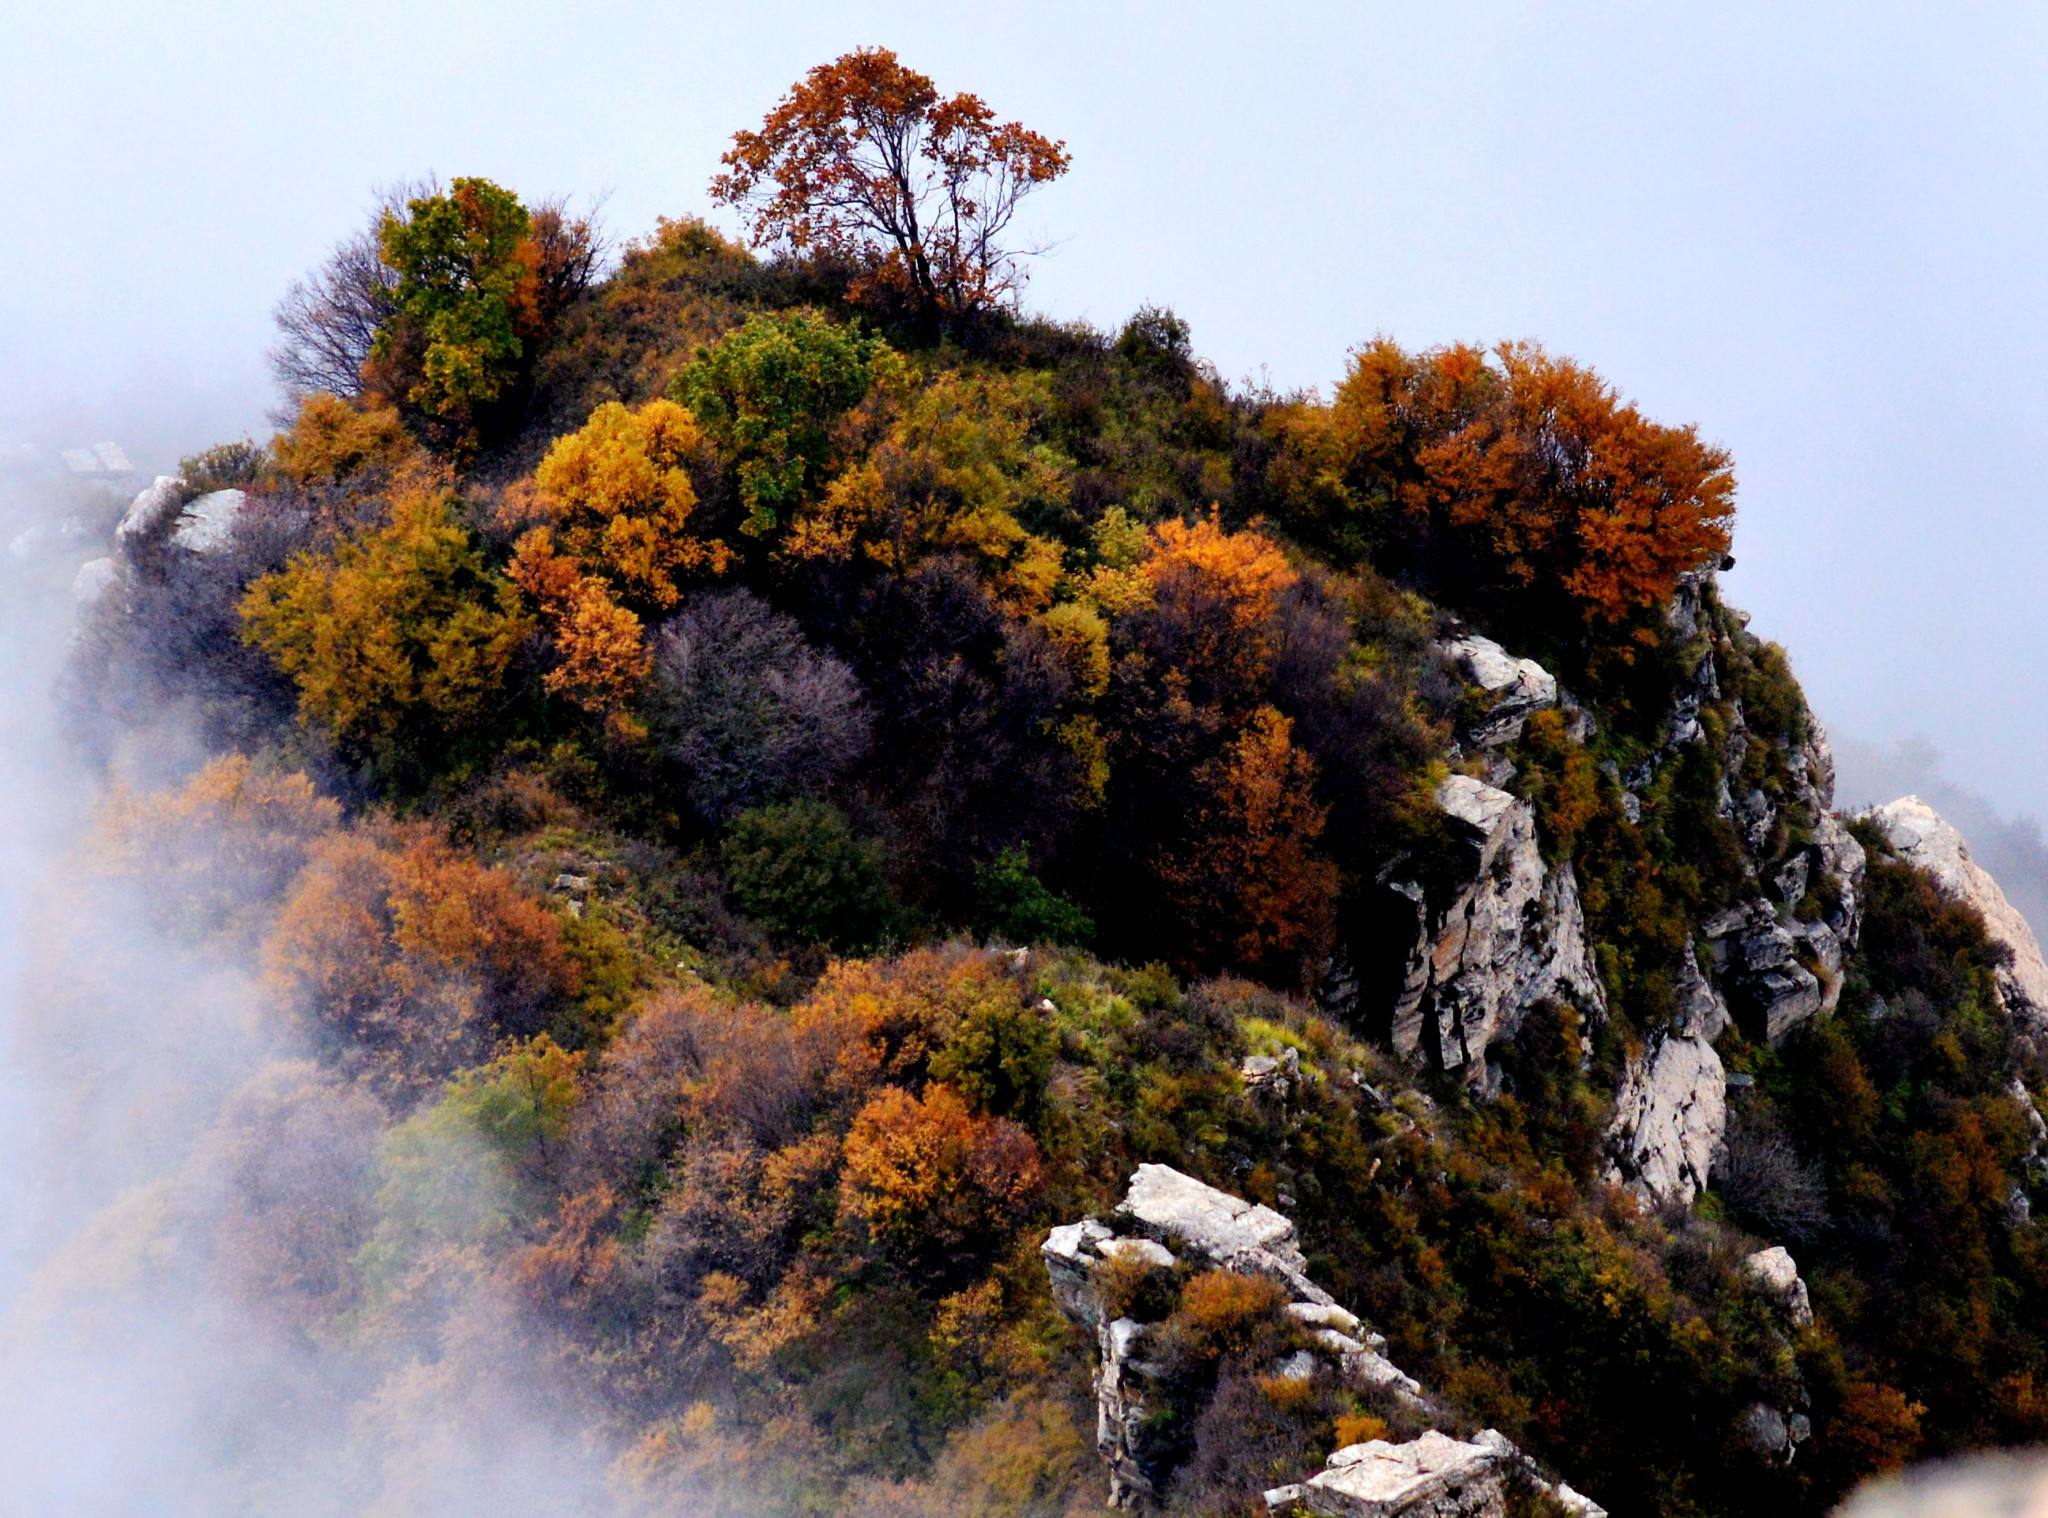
column 707, row 674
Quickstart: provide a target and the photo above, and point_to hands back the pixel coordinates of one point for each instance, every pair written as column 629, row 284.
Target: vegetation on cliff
column 653, row 699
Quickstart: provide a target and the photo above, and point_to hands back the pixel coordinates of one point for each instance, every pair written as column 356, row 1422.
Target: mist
column 164, row 1129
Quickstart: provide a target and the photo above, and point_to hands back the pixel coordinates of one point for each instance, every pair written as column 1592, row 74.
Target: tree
column 1247, row 880
column 771, row 396
column 396, row 640
column 864, row 161
column 616, row 495
column 1515, row 476
column 799, row 870
column 749, row 710
column 930, row 1179
column 466, row 304
column 406, row 955
column 327, row 323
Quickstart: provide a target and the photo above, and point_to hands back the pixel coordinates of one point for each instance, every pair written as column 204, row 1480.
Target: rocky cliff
column 1511, row 933
column 1924, row 838
column 1168, row 1222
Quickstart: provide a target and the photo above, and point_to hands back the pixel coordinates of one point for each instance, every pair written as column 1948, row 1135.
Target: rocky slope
column 1924, row 838
column 1168, row 1221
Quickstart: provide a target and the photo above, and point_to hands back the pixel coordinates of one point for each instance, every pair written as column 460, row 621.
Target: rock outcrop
column 1433, row 1476
column 1167, row 1220
column 1777, row 1273
column 1511, row 936
column 164, row 512
column 1923, row 838
column 1669, row 1120
column 1511, row 689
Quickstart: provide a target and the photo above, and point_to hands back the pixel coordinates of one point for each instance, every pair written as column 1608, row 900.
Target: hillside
column 747, row 787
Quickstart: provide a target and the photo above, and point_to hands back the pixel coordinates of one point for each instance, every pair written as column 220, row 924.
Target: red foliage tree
column 863, row 160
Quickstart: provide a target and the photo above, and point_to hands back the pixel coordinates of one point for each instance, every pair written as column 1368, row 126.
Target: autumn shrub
column 933, row 1183
column 398, row 642
column 998, row 1051
column 331, row 442
column 748, row 710
column 222, row 849
column 406, row 957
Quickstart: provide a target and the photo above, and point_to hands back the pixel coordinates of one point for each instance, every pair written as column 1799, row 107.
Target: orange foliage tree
column 1248, row 882
column 864, row 161
column 407, row 955
column 1514, row 472
column 928, row 1176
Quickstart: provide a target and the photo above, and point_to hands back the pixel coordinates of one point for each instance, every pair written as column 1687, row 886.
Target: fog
column 160, row 1128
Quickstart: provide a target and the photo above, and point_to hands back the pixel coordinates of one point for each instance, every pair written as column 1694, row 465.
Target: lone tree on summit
column 863, row 160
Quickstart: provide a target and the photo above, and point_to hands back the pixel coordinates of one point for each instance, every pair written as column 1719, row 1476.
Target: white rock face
column 1777, row 1273
column 160, row 514
column 208, row 521
column 1924, row 838
column 1669, row 1119
column 1516, row 687
column 1514, row 936
column 150, row 514
column 1432, row 1475
column 1224, row 1230
column 94, row 579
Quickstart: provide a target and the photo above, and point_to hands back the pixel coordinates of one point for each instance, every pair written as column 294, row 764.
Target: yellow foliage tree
column 617, row 496
column 397, row 638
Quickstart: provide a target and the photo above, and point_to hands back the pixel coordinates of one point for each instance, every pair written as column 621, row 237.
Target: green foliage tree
column 1016, row 905
column 800, row 871
column 466, row 302
column 771, row 396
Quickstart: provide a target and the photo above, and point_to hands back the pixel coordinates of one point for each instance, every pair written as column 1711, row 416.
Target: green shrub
column 800, row 871
column 1014, row 904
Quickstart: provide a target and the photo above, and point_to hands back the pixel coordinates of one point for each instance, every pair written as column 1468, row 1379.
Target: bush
column 748, row 709
column 799, row 870
column 1014, row 905
column 770, row 396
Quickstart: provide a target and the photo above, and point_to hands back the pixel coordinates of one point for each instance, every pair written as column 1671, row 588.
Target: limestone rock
column 1772, row 1432
column 1778, row 1274
column 1515, row 935
column 94, row 580
column 162, row 514
column 1433, row 1476
column 1924, row 838
column 1271, row 1075
column 150, row 515
column 208, row 522
column 1514, row 688
column 1223, row 1230
column 1762, row 971
column 1670, row 1119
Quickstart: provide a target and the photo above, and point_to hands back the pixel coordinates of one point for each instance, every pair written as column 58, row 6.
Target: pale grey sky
column 1815, row 231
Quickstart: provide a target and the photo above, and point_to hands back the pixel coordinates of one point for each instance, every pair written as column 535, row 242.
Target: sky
column 1815, row 232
